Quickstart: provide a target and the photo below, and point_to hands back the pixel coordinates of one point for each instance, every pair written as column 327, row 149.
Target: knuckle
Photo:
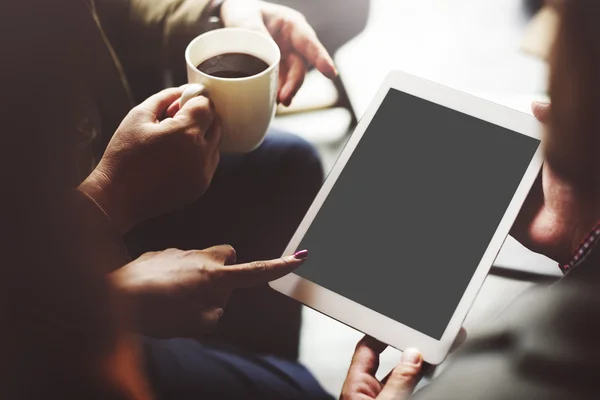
column 172, row 250
column 189, row 253
column 259, row 266
column 229, row 250
column 281, row 22
column 288, row 22
column 405, row 373
column 137, row 113
column 192, row 133
column 200, row 108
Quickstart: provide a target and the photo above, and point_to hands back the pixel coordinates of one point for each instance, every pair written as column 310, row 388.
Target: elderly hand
column 297, row 40
column 156, row 162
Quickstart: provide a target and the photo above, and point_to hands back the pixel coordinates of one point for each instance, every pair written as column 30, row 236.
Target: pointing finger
column 295, row 74
column 366, row 356
column 260, row 272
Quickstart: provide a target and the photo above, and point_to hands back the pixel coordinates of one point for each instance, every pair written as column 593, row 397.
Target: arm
column 103, row 244
column 150, row 37
column 137, row 177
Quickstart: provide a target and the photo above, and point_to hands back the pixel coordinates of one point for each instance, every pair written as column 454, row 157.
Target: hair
column 573, row 142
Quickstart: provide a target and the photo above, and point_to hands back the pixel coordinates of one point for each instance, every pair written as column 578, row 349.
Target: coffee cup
column 238, row 69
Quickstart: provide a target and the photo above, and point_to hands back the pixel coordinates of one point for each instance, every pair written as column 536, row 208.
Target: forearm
column 103, row 245
column 157, row 32
column 149, row 37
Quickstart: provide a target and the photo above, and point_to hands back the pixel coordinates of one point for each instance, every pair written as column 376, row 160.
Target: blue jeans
column 185, row 369
column 255, row 203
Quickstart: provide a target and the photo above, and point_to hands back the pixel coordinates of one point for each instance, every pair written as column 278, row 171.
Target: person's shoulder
column 546, row 345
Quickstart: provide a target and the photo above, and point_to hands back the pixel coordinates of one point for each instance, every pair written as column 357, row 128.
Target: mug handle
column 191, row 91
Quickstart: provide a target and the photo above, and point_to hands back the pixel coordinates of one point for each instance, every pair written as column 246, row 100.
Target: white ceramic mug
column 246, row 106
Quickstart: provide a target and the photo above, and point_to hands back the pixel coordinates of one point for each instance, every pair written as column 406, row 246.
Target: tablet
column 414, row 212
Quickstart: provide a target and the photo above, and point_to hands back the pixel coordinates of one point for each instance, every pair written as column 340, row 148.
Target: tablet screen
column 412, row 213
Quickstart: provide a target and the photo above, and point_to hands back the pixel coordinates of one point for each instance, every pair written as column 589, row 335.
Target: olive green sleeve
column 150, row 36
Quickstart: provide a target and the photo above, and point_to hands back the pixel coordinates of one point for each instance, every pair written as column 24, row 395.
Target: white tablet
column 414, row 212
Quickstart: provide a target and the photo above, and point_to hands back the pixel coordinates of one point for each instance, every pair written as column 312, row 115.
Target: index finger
column 260, row 272
column 366, row 356
column 304, row 41
column 158, row 103
column 198, row 111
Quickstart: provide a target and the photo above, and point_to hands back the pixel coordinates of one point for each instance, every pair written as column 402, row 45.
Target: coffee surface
column 233, row 65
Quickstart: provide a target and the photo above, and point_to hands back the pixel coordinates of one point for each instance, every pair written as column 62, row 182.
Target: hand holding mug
column 155, row 163
column 256, row 32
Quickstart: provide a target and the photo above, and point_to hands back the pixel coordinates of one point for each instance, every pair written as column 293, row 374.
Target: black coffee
column 233, row 65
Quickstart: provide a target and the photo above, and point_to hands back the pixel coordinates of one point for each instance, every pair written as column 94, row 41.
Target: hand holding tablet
column 413, row 214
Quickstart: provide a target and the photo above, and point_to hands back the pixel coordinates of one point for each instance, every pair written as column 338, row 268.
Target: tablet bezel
column 369, row 321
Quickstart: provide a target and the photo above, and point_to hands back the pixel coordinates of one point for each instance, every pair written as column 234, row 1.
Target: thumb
column 404, row 377
column 158, row 104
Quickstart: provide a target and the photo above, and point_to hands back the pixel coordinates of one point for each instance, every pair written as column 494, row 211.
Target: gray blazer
column 545, row 346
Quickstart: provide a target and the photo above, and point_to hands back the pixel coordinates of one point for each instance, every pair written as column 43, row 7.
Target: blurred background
column 494, row 49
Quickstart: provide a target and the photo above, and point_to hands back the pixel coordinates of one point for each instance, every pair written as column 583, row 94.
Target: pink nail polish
column 301, row 255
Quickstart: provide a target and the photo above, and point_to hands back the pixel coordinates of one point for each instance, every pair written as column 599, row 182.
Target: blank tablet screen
column 414, row 210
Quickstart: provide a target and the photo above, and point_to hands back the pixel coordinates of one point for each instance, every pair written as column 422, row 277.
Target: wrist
column 98, row 190
column 118, row 280
column 103, row 246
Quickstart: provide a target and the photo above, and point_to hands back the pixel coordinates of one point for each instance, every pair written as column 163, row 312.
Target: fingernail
column 301, row 255
column 335, row 70
column 220, row 313
column 411, row 356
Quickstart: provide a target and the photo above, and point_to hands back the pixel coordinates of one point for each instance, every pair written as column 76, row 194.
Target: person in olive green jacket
column 137, row 49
